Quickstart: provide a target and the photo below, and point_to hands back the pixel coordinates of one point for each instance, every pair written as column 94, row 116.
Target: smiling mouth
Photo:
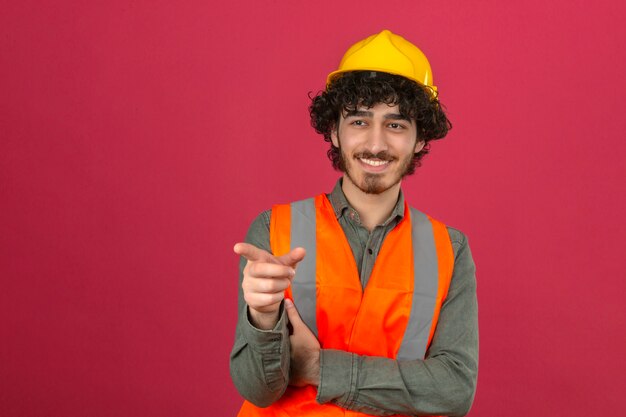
column 374, row 162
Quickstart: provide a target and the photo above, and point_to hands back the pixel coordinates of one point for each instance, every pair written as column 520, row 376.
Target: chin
column 374, row 184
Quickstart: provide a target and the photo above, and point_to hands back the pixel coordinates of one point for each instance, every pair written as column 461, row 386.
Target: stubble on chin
column 372, row 184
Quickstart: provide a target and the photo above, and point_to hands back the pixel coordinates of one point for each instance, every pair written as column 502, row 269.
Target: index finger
column 252, row 253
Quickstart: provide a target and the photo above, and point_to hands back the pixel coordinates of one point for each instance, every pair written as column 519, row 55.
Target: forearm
column 382, row 386
column 259, row 361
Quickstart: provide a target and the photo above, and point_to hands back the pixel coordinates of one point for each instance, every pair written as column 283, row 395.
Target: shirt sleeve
column 259, row 361
column 443, row 383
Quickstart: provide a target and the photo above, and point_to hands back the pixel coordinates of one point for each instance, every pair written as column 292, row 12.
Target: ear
column 419, row 146
column 333, row 137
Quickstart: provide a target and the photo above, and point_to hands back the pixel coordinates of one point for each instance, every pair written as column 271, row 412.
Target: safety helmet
column 387, row 52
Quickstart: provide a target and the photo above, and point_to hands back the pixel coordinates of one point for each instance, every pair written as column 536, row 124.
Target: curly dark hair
column 368, row 88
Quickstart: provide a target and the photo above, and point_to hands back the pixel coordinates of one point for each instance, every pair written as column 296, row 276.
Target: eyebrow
column 364, row 113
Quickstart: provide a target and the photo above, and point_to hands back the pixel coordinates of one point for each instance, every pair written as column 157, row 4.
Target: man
column 354, row 303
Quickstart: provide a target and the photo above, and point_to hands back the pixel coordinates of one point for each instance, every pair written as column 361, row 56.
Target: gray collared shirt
column 443, row 383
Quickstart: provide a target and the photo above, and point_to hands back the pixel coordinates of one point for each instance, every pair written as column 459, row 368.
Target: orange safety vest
column 394, row 317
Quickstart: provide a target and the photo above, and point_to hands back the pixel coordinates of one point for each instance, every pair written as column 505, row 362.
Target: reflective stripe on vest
column 395, row 316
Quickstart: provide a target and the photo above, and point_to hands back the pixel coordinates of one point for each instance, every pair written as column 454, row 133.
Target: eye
column 396, row 126
column 358, row 123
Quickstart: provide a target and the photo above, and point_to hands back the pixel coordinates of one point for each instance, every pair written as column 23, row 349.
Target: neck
column 373, row 209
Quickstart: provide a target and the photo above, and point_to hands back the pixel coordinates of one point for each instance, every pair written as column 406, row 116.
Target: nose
column 376, row 140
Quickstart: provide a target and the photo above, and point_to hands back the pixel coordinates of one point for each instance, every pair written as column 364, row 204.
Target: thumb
column 293, row 257
column 293, row 315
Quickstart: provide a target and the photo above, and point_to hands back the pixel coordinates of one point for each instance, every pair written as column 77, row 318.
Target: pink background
column 138, row 139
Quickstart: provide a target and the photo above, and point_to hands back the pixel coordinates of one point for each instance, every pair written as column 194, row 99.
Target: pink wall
column 138, row 140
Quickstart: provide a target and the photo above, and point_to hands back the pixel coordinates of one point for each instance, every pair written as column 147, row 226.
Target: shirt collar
column 341, row 206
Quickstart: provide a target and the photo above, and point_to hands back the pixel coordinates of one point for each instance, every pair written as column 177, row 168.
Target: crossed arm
column 264, row 362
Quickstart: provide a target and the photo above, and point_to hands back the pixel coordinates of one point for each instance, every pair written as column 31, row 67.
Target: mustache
column 382, row 155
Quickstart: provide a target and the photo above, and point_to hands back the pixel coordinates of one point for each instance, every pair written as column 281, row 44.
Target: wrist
column 263, row 320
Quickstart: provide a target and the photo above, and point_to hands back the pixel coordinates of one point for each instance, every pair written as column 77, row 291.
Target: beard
column 373, row 183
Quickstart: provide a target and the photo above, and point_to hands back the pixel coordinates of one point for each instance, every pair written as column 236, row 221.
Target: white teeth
column 374, row 163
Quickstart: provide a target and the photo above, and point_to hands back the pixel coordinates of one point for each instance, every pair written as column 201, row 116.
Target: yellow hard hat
column 387, row 52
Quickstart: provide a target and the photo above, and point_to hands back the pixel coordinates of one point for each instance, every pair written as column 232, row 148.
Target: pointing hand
column 265, row 278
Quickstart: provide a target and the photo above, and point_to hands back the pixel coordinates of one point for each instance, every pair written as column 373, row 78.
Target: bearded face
column 377, row 146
